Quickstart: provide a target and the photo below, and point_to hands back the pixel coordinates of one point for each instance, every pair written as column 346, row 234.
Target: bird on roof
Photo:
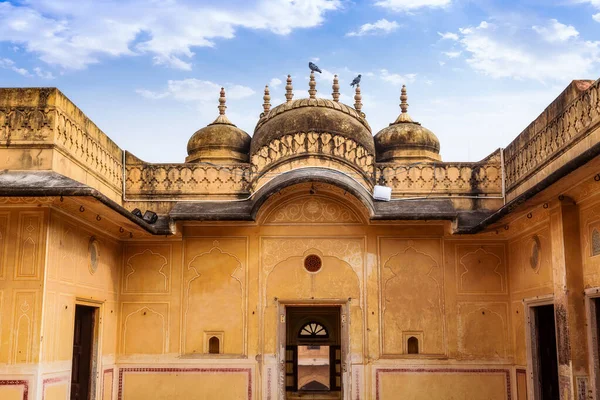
column 355, row 81
column 313, row 67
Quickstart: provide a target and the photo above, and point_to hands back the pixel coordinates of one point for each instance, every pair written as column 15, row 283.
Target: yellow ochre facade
column 267, row 269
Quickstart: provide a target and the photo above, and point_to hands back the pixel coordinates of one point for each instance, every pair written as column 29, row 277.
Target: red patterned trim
column 269, row 372
column 52, row 381
column 506, row 373
column 185, row 370
column 17, row 383
column 357, row 384
column 112, row 374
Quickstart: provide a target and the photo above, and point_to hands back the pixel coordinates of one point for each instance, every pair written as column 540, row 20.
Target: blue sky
column 148, row 72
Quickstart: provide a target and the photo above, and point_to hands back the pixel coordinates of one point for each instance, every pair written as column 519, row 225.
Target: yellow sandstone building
column 311, row 260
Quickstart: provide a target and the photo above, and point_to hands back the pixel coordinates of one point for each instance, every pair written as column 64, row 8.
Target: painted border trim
column 506, row 373
column 185, row 370
column 17, row 382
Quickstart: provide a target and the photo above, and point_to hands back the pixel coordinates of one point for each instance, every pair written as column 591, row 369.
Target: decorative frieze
column 186, row 179
column 549, row 136
column 312, row 143
column 38, row 118
column 447, row 178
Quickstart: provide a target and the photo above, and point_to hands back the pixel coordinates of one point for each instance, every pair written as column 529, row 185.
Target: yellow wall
column 160, row 300
column 71, row 281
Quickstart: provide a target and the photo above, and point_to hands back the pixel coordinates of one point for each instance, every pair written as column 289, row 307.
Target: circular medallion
column 534, row 258
column 313, row 263
column 93, row 250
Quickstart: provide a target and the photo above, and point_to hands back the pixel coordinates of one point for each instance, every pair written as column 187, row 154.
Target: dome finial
column 403, row 117
column 403, row 98
column 222, row 100
column 313, row 86
column 336, row 89
column 289, row 89
column 358, row 101
column 222, row 118
column 266, row 101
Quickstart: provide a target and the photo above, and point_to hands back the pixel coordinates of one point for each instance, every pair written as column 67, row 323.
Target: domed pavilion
column 307, row 259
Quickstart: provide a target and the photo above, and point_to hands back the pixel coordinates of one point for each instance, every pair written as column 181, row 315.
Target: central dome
column 313, row 132
column 312, row 116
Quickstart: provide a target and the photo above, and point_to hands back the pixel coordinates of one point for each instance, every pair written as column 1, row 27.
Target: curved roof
column 312, row 115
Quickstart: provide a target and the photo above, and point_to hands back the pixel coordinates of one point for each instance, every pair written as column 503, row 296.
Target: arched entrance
column 313, row 356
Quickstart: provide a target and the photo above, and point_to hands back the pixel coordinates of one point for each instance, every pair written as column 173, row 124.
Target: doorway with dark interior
column 84, row 344
column 313, row 357
column 544, row 353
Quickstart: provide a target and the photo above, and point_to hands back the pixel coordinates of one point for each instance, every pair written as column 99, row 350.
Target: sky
column 148, row 72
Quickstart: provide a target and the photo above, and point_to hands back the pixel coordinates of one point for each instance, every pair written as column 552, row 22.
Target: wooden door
column 83, row 337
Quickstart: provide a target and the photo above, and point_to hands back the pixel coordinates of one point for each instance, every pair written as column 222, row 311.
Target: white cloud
column 452, row 54
column 315, row 59
column 43, row 73
column 396, row 79
column 596, row 17
column 275, row 82
column 448, row 36
column 504, row 50
column 442, row 63
column 7, row 63
column 411, row 5
column 556, row 32
column 383, row 26
column 75, row 34
column 196, row 90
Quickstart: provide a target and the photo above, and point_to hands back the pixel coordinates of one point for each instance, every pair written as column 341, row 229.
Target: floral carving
column 312, row 209
column 327, row 144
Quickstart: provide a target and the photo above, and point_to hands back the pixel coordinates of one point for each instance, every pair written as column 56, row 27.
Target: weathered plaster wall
column 23, row 234
column 71, row 280
column 162, row 299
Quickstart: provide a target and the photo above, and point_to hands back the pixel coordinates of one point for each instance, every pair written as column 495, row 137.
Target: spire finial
column 403, row 117
column 289, row 89
column 222, row 100
column 403, row 98
column 336, row 89
column 266, row 101
column 222, row 118
column 313, row 86
column 358, row 101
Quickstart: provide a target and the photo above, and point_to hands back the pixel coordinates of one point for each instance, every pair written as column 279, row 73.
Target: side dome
column 219, row 142
column 313, row 128
column 405, row 140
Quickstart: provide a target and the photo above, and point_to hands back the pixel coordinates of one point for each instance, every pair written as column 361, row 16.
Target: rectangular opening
column 84, row 360
column 313, row 357
column 314, row 368
column 594, row 308
column 545, row 360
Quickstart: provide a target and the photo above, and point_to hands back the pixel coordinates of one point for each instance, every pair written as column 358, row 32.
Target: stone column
column 569, row 311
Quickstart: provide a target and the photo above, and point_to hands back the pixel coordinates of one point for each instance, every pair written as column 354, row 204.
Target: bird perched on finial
column 313, row 67
column 355, row 81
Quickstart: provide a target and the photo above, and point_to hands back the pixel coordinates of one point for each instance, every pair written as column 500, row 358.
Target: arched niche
column 312, row 203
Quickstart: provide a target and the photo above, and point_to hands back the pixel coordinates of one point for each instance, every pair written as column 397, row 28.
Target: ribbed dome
column 312, row 115
column 405, row 140
column 219, row 142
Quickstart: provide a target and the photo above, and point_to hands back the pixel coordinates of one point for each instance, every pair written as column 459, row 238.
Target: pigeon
column 313, row 67
column 355, row 81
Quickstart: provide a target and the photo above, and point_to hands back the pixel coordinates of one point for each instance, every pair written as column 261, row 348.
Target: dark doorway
column 313, row 352
column 83, row 345
column 595, row 335
column 546, row 361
